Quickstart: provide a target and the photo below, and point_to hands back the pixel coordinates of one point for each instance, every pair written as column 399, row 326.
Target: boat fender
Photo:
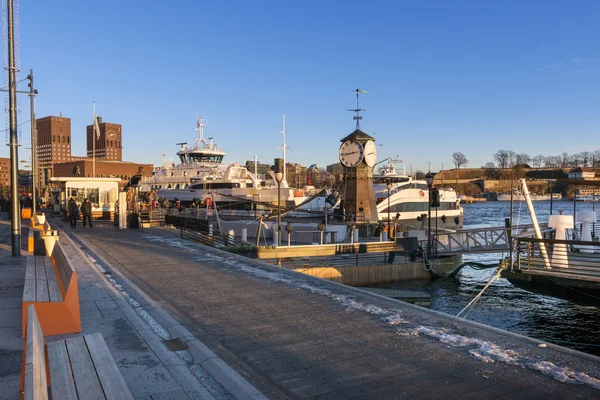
column 421, row 193
column 208, row 201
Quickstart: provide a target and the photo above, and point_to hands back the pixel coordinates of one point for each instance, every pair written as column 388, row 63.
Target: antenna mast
column 357, row 110
column 284, row 147
column 200, row 124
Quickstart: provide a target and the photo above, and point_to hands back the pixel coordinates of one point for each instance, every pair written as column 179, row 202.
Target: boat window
column 419, row 206
column 177, row 186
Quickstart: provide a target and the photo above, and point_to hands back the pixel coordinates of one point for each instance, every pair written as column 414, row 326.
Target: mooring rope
column 474, row 301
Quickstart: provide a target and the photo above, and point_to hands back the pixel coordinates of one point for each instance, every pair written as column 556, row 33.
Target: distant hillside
column 502, row 173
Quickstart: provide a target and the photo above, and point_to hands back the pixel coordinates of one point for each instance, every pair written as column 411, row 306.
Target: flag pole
column 94, row 143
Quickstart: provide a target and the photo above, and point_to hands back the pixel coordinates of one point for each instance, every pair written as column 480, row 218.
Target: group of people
column 86, row 212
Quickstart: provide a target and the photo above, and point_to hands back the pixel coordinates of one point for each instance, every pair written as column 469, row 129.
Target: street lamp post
column 279, row 177
column 389, row 186
column 429, row 180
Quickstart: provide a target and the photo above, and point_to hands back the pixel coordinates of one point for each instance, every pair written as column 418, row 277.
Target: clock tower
column 358, row 155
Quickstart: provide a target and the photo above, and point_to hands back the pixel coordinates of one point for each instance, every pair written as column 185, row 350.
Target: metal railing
column 573, row 257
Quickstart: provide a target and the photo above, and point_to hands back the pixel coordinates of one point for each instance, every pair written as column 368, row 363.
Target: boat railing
column 575, row 257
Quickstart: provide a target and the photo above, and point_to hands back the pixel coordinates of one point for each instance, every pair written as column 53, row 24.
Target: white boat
column 518, row 196
column 409, row 198
column 203, row 159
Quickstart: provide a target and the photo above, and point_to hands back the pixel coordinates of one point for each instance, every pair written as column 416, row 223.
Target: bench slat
column 61, row 376
column 86, row 380
column 35, row 357
column 30, row 268
column 29, row 290
column 53, row 288
column 42, row 291
column 40, row 270
column 112, row 381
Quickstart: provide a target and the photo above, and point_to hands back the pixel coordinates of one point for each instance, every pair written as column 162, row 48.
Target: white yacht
column 409, row 198
column 202, row 160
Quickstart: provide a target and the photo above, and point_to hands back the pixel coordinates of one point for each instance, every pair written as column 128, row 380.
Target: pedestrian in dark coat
column 86, row 211
column 73, row 211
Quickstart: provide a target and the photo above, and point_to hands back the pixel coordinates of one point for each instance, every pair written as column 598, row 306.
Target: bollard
column 210, row 230
column 245, row 235
column 355, row 235
column 275, row 237
column 231, row 237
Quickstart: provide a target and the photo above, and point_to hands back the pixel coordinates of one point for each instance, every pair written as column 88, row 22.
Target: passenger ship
column 409, row 199
column 201, row 161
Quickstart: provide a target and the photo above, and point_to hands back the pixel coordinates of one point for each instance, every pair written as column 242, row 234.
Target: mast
column 94, row 133
column 200, row 124
column 284, row 147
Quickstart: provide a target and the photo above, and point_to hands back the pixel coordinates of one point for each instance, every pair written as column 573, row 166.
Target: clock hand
column 371, row 153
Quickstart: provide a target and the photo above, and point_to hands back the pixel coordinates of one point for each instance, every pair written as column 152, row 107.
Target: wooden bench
column 77, row 368
column 51, row 284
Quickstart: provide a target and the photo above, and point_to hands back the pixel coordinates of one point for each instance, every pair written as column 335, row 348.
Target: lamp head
column 429, row 179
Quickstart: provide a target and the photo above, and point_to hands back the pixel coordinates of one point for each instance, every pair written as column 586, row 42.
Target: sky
column 442, row 77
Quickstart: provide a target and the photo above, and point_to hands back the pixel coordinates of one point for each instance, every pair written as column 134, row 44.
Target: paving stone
column 290, row 342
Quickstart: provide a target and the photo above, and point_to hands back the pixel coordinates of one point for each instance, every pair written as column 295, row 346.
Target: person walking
column 73, row 210
column 86, row 210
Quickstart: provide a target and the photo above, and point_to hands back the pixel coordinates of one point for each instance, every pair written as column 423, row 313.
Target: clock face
column 351, row 153
column 111, row 135
column 370, row 153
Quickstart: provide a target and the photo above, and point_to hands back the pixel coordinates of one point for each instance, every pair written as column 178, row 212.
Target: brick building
column 4, row 171
column 108, row 144
column 53, row 142
column 104, row 169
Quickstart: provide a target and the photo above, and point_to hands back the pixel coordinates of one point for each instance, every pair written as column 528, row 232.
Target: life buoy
column 421, row 193
column 208, row 201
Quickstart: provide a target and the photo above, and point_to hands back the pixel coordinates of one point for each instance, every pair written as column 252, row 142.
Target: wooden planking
column 29, row 290
column 40, row 270
column 53, row 288
column 62, row 264
column 86, row 381
column 41, row 291
column 111, row 379
column 28, row 390
column 30, row 268
column 35, row 357
column 61, row 375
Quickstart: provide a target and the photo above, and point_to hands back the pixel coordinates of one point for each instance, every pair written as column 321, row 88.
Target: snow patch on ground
column 206, row 380
column 482, row 350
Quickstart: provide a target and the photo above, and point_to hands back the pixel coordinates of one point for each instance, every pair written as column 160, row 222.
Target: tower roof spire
column 357, row 110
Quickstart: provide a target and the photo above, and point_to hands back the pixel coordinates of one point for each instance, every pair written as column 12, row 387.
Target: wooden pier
column 568, row 269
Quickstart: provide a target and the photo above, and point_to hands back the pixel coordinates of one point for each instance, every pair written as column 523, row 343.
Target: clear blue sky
column 442, row 76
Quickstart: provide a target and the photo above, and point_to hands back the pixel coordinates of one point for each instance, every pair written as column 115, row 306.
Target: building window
column 68, row 139
column 53, row 138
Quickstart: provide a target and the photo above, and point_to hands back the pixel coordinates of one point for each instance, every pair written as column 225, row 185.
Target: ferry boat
column 518, row 196
column 202, row 160
column 409, row 198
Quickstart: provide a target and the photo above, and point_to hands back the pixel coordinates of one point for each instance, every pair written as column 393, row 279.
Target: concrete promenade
column 294, row 336
column 134, row 328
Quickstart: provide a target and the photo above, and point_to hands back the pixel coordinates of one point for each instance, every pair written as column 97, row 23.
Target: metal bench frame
column 78, row 367
column 56, row 316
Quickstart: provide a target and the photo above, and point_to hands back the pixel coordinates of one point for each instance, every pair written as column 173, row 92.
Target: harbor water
column 503, row 305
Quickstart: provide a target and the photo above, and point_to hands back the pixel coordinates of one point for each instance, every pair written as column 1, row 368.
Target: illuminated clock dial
column 351, row 153
column 370, row 153
column 111, row 135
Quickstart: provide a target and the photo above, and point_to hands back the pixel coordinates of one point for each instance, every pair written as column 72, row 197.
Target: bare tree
column 522, row 158
column 489, row 165
column 537, row 161
column 459, row 159
column 504, row 158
